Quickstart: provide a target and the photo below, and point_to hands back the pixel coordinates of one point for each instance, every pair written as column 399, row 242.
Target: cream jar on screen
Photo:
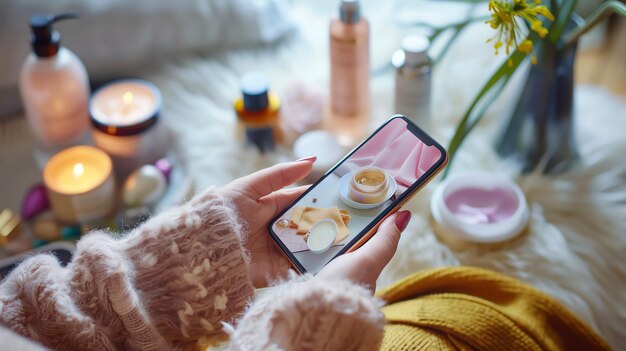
column 369, row 185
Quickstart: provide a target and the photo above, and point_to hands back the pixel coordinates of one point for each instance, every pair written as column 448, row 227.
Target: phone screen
column 356, row 194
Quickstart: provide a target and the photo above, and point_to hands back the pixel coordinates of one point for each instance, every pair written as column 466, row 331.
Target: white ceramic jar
column 480, row 207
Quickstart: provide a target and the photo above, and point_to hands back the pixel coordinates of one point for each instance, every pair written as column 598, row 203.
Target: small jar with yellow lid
column 258, row 111
column 369, row 185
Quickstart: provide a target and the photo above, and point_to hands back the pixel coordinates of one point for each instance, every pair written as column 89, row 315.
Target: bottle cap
column 255, row 89
column 415, row 49
column 45, row 40
column 349, row 11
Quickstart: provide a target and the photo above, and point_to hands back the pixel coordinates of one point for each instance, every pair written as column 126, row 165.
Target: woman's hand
column 364, row 265
column 259, row 197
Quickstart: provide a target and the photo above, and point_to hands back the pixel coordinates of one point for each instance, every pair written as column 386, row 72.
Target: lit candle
column 480, row 207
column 80, row 184
column 124, row 114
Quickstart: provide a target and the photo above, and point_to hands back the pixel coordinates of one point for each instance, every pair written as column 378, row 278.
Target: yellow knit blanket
column 464, row 308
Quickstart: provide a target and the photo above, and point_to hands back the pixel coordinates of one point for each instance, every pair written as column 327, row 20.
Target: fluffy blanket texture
column 575, row 244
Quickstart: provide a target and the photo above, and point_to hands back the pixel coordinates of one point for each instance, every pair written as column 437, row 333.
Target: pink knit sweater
column 178, row 278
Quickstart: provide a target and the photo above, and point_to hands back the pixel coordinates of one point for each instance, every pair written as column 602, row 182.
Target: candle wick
column 127, row 100
column 78, row 170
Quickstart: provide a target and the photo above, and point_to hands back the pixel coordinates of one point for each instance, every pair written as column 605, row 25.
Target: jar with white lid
column 479, row 207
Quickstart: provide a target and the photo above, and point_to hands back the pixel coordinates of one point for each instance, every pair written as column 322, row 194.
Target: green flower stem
column 554, row 8
column 483, row 100
column 468, row 1
column 439, row 30
column 601, row 13
column 447, row 46
column 562, row 19
column 458, row 28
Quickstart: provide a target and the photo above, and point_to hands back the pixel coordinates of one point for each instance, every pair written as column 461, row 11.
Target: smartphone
column 343, row 209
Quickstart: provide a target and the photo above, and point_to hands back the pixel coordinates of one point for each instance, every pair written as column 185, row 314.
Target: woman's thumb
column 382, row 246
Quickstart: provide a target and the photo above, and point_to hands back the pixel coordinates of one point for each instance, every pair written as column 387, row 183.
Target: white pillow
column 114, row 37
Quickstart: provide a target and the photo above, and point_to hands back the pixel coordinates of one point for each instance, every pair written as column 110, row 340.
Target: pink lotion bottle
column 55, row 90
column 349, row 62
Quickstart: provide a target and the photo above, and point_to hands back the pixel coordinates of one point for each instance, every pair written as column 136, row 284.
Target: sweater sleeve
column 308, row 313
column 163, row 286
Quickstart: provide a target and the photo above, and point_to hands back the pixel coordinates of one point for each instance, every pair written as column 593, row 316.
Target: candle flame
column 78, row 170
column 127, row 98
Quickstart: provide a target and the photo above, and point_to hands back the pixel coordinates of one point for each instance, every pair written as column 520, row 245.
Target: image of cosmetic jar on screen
column 366, row 188
column 348, row 199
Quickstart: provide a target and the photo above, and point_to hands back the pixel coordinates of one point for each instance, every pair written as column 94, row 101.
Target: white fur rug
column 575, row 246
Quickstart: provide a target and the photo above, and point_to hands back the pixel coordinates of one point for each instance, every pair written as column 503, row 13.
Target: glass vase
column 540, row 131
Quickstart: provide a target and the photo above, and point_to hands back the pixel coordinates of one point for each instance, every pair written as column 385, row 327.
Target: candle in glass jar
column 80, row 184
column 480, row 207
column 125, row 116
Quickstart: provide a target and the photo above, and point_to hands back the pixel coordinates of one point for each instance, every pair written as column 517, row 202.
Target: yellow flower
column 526, row 46
column 537, row 26
column 542, row 10
column 497, row 46
column 507, row 18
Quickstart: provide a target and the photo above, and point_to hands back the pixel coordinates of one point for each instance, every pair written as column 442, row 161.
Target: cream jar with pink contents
column 480, row 207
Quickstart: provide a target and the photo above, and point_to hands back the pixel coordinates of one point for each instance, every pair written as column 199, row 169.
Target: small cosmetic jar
column 479, row 207
column 322, row 236
column 369, row 185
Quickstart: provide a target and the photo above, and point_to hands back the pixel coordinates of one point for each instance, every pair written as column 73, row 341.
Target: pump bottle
column 54, row 87
column 349, row 61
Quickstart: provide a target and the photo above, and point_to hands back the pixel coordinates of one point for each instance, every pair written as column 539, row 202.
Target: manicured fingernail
column 308, row 159
column 402, row 220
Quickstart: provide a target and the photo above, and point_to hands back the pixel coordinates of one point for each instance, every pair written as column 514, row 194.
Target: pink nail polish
column 402, row 220
column 308, row 159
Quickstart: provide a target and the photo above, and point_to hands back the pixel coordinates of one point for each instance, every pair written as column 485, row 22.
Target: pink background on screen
column 396, row 150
